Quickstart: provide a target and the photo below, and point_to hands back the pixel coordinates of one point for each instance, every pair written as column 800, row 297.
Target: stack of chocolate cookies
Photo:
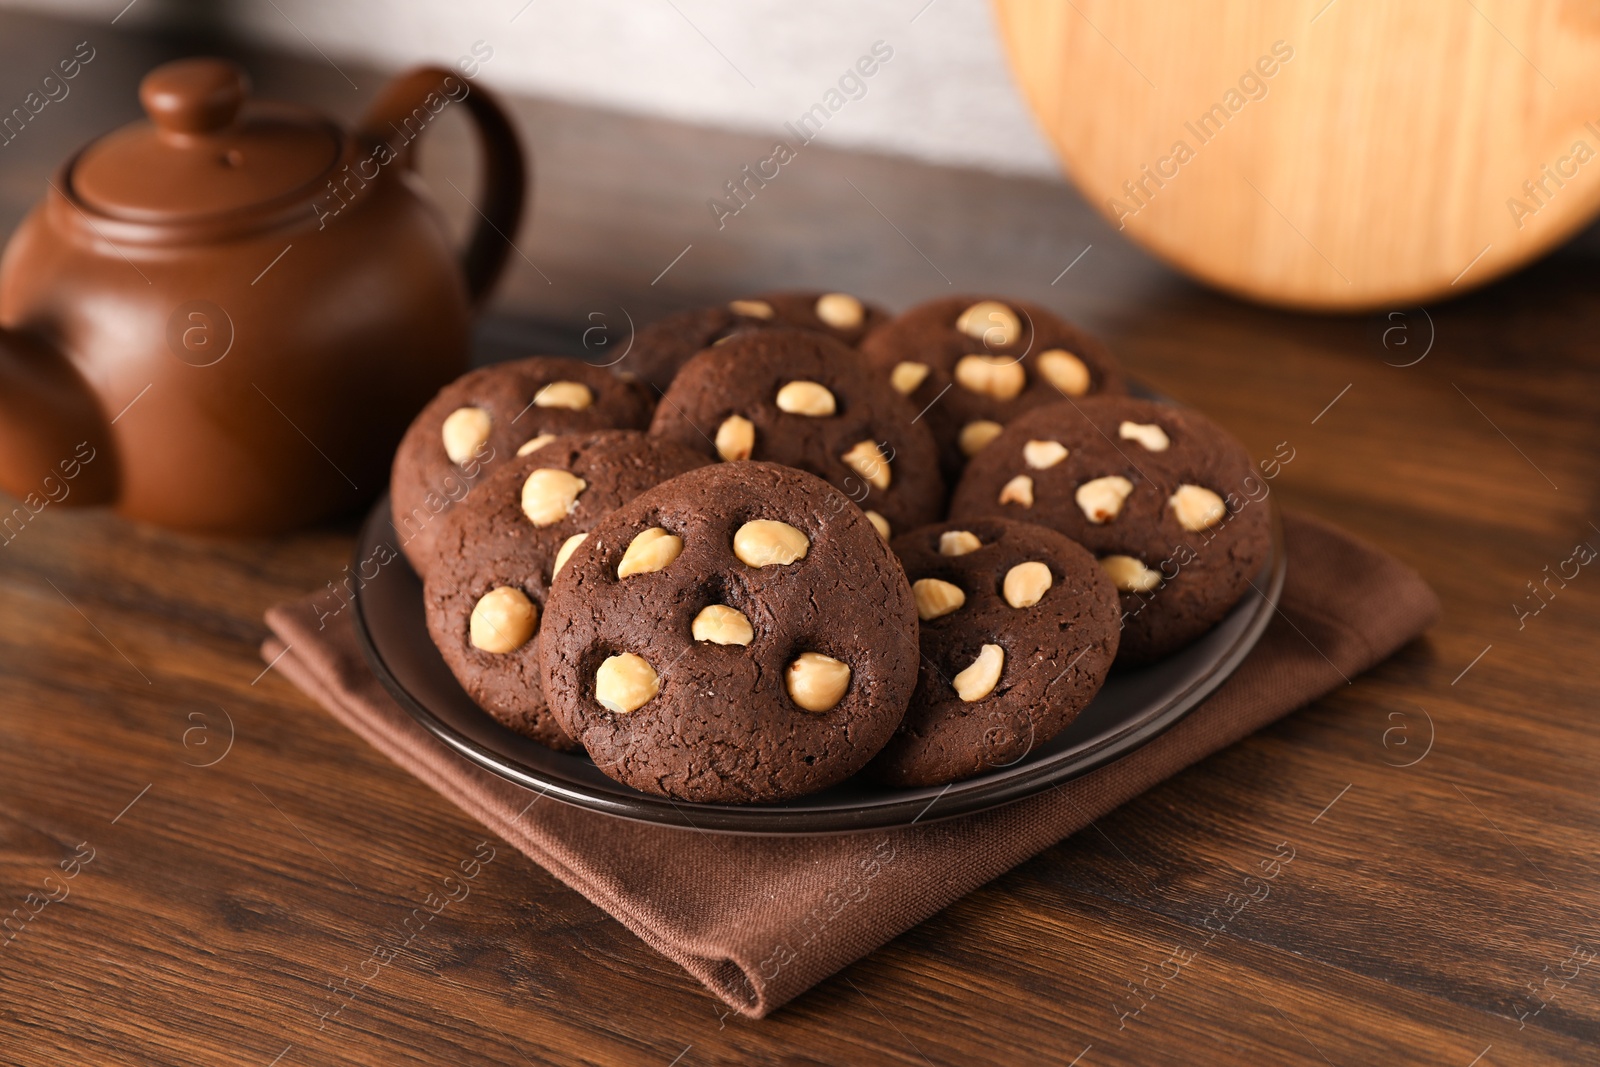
column 794, row 539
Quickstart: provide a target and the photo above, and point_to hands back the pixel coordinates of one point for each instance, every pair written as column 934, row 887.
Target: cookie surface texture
column 480, row 420
column 1167, row 500
column 1023, row 630
column 805, row 401
column 662, row 348
column 975, row 363
column 488, row 547
column 772, row 656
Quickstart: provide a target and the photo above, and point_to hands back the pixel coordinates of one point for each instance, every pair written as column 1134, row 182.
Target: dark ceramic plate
column 1133, row 707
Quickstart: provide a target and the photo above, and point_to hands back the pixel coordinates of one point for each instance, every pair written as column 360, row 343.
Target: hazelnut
column 1042, row 455
column 867, row 460
column 751, row 309
column 768, row 543
column 625, row 683
column 879, row 523
column 990, row 322
column 503, row 620
column 1000, row 377
column 840, row 310
column 1018, row 490
column 1130, row 575
column 533, row 444
column 550, row 495
column 817, row 682
column 936, row 598
column 1026, row 584
column 982, row 675
column 736, row 438
column 1148, row 434
column 806, row 398
column 1101, row 499
column 574, row 396
column 650, row 550
column 907, row 375
column 977, row 435
column 1065, row 371
column 958, row 543
column 1196, row 507
column 564, row 553
column 464, row 432
column 722, row 625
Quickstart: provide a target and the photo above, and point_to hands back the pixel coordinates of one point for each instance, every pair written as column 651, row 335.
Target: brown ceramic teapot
column 221, row 319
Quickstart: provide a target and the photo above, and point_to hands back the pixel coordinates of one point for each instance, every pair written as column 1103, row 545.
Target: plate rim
column 973, row 795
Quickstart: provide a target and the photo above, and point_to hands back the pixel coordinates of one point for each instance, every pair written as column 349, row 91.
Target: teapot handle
column 503, row 186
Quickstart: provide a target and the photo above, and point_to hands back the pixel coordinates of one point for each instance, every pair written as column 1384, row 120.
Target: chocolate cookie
column 481, row 419
column 806, row 401
column 740, row 633
column 1019, row 628
column 494, row 554
column 1165, row 498
column 973, row 364
column 661, row 349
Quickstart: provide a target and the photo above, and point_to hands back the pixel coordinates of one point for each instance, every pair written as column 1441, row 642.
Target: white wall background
column 946, row 96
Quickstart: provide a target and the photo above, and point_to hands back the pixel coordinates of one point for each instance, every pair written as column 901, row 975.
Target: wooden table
column 1443, row 899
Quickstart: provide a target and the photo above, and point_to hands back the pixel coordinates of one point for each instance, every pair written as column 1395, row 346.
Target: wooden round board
column 1335, row 155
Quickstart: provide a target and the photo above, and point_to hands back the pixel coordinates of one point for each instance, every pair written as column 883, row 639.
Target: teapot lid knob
column 194, row 96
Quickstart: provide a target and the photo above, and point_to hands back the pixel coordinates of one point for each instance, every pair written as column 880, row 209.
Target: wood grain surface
column 1443, row 899
column 1323, row 153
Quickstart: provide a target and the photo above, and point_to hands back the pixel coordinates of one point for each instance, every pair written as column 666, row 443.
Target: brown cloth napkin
column 760, row 920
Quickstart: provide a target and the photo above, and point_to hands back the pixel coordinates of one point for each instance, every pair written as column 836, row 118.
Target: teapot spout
column 55, row 444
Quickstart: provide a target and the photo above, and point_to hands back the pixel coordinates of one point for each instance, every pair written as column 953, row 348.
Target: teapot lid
column 204, row 151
